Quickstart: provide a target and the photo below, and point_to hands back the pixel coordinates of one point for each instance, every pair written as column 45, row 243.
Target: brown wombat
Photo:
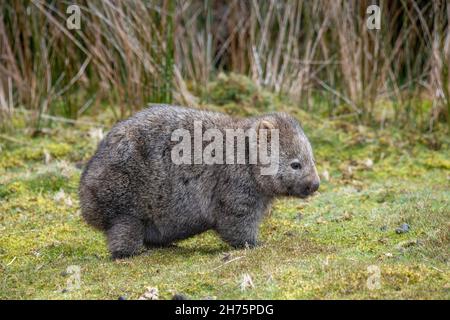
column 135, row 192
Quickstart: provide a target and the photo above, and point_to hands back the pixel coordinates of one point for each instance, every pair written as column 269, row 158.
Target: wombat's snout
column 311, row 187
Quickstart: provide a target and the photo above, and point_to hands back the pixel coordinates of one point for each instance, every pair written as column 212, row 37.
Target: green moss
column 59, row 150
column 8, row 161
column 440, row 162
column 12, row 188
column 238, row 95
column 231, row 88
column 317, row 248
column 47, row 182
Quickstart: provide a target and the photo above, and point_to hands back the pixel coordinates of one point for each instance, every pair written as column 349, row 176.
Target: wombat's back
column 132, row 171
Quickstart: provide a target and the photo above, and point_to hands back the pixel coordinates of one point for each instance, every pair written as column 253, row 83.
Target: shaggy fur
column 132, row 190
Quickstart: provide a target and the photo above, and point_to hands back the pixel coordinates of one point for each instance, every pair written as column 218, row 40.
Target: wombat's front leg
column 125, row 237
column 239, row 230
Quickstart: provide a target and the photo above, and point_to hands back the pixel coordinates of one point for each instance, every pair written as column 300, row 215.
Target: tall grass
column 123, row 54
column 129, row 53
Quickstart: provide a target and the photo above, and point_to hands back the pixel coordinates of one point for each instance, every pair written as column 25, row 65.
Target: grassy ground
column 341, row 244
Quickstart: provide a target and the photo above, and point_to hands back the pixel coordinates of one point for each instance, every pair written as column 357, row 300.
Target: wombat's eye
column 296, row 165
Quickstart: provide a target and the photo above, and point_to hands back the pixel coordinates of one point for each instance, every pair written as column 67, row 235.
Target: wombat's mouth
column 292, row 193
column 303, row 194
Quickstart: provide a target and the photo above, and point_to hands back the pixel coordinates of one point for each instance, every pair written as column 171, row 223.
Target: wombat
column 133, row 191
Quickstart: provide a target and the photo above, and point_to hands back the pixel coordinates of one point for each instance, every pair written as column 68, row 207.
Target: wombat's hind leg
column 239, row 232
column 125, row 237
column 153, row 238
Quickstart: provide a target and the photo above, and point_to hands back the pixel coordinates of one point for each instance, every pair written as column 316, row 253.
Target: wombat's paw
column 253, row 244
column 159, row 245
column 179, row 296
column 118, row 255
column 259, row 243
column 248, row 244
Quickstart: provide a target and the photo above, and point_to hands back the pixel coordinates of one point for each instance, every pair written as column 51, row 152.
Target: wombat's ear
column 267, row 125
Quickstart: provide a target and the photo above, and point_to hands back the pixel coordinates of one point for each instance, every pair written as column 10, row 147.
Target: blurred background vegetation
column 320, row 54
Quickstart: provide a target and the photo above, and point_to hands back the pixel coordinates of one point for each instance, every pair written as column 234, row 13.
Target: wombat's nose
column 312, row 187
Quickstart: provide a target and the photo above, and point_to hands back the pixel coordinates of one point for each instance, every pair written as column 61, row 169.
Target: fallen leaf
column 150, row 294
column 59, row 196
column 247, row 282
column 321, row 220
column 368, row 163
column 347, row 216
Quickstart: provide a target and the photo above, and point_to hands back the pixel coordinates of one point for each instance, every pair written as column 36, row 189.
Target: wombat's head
column 296, row 173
